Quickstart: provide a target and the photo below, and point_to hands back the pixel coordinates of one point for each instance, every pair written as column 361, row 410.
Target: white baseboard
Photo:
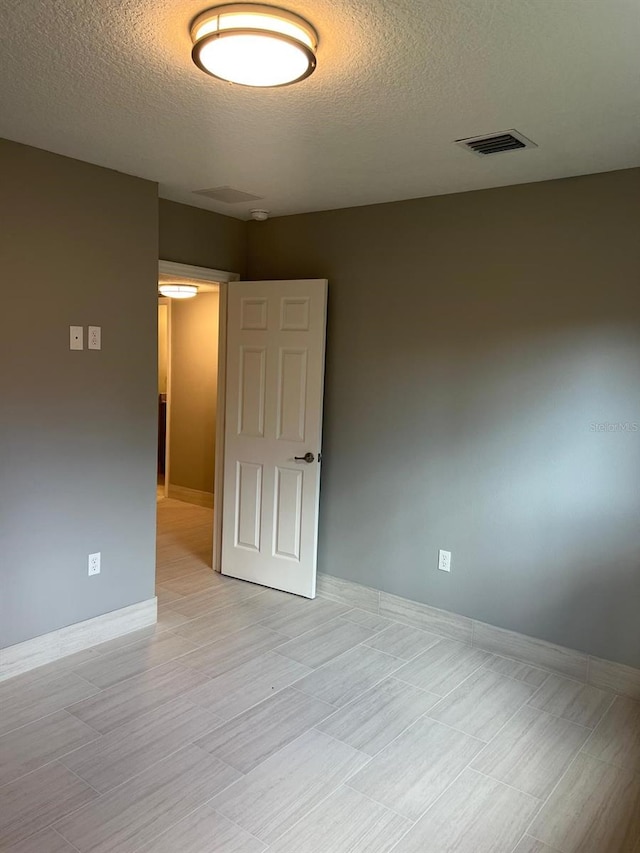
column 607, row 675
column 190, row 496
column 75, row 638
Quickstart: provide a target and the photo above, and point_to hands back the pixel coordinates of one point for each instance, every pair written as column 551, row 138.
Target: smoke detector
column 260, row 215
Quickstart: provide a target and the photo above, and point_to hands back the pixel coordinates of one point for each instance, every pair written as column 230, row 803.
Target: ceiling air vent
column 507, row 140
column 228, row 195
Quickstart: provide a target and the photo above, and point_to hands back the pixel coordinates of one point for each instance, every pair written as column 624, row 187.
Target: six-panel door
column 275, row 379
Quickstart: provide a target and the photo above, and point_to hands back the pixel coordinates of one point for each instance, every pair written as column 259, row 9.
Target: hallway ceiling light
column 179, row 291
column 254, row 45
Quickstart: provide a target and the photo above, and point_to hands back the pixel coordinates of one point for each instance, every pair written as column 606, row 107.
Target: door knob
column 308, row 457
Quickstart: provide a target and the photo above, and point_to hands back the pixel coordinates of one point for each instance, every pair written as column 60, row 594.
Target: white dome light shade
column 254, row 45
column 254, row 60
column 179, row 291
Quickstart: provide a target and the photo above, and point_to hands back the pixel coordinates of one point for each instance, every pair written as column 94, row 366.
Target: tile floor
column 249, row 720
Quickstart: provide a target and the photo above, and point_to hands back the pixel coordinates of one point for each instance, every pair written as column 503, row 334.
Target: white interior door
column 273, row 432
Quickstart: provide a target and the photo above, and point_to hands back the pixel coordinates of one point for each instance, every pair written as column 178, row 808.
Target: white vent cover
column 228, row 195
column 496, row 143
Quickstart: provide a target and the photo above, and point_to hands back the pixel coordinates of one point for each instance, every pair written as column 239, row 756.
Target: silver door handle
column 308, row 458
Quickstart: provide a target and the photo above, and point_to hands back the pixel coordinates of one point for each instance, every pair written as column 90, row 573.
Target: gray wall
column 194, row 388
column 190, row 235
column 473, row 340
column 79, row 245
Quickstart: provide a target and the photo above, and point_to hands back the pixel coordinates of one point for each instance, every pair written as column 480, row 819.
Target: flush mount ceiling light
column 254, row 45
column 179, row 291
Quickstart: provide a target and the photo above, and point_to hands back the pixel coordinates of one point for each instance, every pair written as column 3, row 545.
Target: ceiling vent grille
column 497, row 143
column 228, row 195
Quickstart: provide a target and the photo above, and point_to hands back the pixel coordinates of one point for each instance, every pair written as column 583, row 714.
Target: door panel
column 275, row 382
column 292, row 394
column 248, row 505
column 251, row 394
column 287, row 513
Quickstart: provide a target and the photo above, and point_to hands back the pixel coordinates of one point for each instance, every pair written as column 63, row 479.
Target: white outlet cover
column 94, row 564
column 444, row 561
column 95, row 337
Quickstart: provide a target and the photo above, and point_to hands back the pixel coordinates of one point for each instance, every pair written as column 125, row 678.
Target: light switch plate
column 76, row 337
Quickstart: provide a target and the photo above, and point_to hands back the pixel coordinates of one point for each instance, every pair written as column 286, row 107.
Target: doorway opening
column 271, row 337
column 163, row 364
column 190, row 429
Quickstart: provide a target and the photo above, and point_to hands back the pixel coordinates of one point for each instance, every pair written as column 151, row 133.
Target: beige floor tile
column 348, row 593
column 50, row 670
column 510, row 644
column 532, row 845
column 238, row 689
column 594, row 809
column 475, row 815
column 169, row 619
column 166, row 596
column 284, row 788
column 236, row 649
column 204, row 831
column 346, row 822
column 411, row 773
column 301, row 615
column 227, row 620
column 175, row 566
column 615, row 677
column 193, row 582
column 47, row 841
column 129, row 699
column 33, row 802
column 171, row 565
column 617, row 737
column 22, row 705
column 134, row 659
column 367, row 620
column 258, row 733
column 428, row 618
column 231, row 592
column 532, row 751
column 29, row 747
column 138, row 811
column 403, row 641
column 518, row 670
column 342, row 679
column 132, row 748
column 572, row 700
column 482, row 704
column 327, row 641
column 194, row 606
column 378, row 716
column 124, row 640
column 443, row 667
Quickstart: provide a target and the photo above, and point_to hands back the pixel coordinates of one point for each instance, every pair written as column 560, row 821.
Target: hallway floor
column 251, row 720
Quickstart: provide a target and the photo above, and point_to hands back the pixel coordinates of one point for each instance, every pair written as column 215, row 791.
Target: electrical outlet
column 95, row 337
column 94, row 564
column 444, row 561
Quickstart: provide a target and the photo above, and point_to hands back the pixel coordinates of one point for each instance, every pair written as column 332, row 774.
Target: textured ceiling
column 112, row 82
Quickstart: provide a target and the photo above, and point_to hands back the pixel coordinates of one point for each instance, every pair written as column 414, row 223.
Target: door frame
column 205, row 275
column 164, row 300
